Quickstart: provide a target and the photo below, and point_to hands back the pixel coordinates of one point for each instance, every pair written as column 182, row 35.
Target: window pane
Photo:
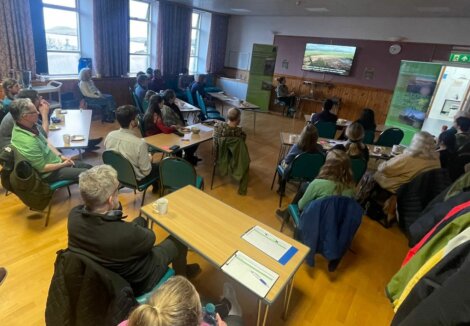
column 63, row 3
column 63, row 63
column 138, row 37
column 195, row 20
column 138, row 63
column 139, row 9
column 61, row 30
column 192, row 65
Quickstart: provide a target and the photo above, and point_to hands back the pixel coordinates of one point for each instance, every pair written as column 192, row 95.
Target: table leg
column 80, row 154
column 265, row 317
column 288, row 295
column 254, row 121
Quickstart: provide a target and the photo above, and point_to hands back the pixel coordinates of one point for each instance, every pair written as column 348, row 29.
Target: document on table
column 270, row 244
column 250, row 273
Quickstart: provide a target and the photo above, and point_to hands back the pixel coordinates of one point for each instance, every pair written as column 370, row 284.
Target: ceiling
column 351, row 8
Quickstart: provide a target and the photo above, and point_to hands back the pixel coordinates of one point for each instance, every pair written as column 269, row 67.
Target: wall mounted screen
column 326, row 58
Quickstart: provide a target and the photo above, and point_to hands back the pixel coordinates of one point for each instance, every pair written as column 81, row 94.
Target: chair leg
column 46, row 223
column 281, row 194
column 274, row 179
column 68, row 189
column 213, row 174
column 143, row 197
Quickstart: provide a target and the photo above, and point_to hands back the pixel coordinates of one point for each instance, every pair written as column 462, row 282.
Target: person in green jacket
column 45, row 158
column 335, row 178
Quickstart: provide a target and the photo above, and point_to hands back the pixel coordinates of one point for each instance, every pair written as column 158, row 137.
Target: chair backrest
column 390, row 137
column 201, row 104
column 359, row 167
column 140, row 120
column 176, row 173
column 369, row 136
column 306, row 166
column 136, row 101
column 145, row 105
column 189, row 96
column 125, row 171
column 326, row 129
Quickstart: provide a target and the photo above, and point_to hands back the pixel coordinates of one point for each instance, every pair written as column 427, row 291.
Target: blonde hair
column 83, row 74
column 423, row 146
column 355, row 135
column 7, row 84
column 175, row 303
column 233, row 114
column 337, row 168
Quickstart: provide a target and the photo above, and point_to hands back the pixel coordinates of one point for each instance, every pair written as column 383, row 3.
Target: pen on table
column 259, row 278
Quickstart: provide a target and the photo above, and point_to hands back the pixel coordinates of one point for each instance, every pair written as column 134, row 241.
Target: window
column 195, row 33
column 61, row 23
column 139, row 56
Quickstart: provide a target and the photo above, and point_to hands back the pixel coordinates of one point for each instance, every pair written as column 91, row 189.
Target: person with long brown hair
column 153, row 120
column 307, row 143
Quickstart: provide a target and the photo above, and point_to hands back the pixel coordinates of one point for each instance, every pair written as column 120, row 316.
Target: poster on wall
column 452, row 92
column 263, row 61
column 414, row 89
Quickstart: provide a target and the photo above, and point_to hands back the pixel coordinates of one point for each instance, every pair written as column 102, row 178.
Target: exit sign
column 460, row 57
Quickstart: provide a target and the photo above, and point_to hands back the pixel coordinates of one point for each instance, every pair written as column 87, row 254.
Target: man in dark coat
column 98, row 231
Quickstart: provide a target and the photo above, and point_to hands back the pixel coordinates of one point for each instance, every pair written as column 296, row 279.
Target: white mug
column 160, row 206
column 292, row 139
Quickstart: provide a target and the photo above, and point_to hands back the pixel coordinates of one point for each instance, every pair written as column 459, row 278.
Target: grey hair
column 20, row 107
column 423, row 146
column 97, row 185
column 81, row 74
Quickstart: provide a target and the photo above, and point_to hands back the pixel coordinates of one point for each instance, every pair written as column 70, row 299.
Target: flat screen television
column 326, row 58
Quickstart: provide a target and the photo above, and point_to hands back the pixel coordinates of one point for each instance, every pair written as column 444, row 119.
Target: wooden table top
column 235, row 102
column 340, row 122
column 163, row 142
column 75, row 122
column 214, row 230
column 186, row 107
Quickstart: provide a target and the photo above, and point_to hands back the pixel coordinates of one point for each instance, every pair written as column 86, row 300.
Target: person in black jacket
column 325, row 115
column 97, row 230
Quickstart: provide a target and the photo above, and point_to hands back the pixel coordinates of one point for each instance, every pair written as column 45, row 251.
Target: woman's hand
column 220, row 322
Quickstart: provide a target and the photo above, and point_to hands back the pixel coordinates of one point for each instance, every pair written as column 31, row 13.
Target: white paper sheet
column 267, row 242
column 250, row 273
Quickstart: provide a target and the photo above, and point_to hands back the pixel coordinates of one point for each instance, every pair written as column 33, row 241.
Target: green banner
column 460, row 57
column 263, row 60
column 415, row 86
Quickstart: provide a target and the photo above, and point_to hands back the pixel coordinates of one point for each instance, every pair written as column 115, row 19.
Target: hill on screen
column 329, row 56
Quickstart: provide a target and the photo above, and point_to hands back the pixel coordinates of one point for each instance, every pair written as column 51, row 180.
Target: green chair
column 145, row 105
column 326, row 129
column 140, row 121
column 390, row 137
column 176, row 173
column 207, row 114
column 369, row 136
column 294, row 212
column 136, row 101
column 304, row 167
column 359, row 167
column 146, row 296
column 126, row 174
column 56, row 186
column 189, row 96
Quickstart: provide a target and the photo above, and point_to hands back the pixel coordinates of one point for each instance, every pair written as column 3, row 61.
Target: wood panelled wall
column 353, row 98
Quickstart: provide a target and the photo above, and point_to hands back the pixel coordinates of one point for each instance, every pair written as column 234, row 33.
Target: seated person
column 367, row 119
column 446, row 148
column 95, row 97
column 230, row 128
column 307, row 143
column 185, row 80
column 419, row 157
column 171, row 113
column 462, row 137
column 97, row 229
column 45, row 158
column 141, row 87
column 133, row 148
column 177, row 303
column 283, row 94
column 149, row 73
column 325, row 115
column 157, row 83
column 10, row 89
column 354, row 146
column 335, row 178
column 198, row 86
column 153, row 121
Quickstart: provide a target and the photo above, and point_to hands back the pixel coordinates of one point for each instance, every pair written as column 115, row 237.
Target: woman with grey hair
column 420, row 156
column 93, row 96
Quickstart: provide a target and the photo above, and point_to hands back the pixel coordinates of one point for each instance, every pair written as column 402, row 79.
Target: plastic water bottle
column 209, row 314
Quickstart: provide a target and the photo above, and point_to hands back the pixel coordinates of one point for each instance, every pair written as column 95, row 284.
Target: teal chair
column 145, row 105
column 359, row 167
column 390, row 137
column 294, row 213
column 304, row 167
column 189, row 96
column 126, row 174
column 136, row 101
column 56, row 186
column 207, row 114
column 144, row 298
column 176, row 173
column 369, row 136
column 326, row 129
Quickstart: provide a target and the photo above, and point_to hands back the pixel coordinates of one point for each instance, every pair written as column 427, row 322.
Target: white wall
column 246, row 30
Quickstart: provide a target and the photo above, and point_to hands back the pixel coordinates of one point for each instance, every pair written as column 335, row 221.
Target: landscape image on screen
column 332, row 59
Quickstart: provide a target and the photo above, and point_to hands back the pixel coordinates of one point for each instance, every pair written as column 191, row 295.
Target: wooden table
column 214, row 230
column 163, row 142
column 75, row 122
column 236, row 103
column 344, row 123
column 188, row 110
